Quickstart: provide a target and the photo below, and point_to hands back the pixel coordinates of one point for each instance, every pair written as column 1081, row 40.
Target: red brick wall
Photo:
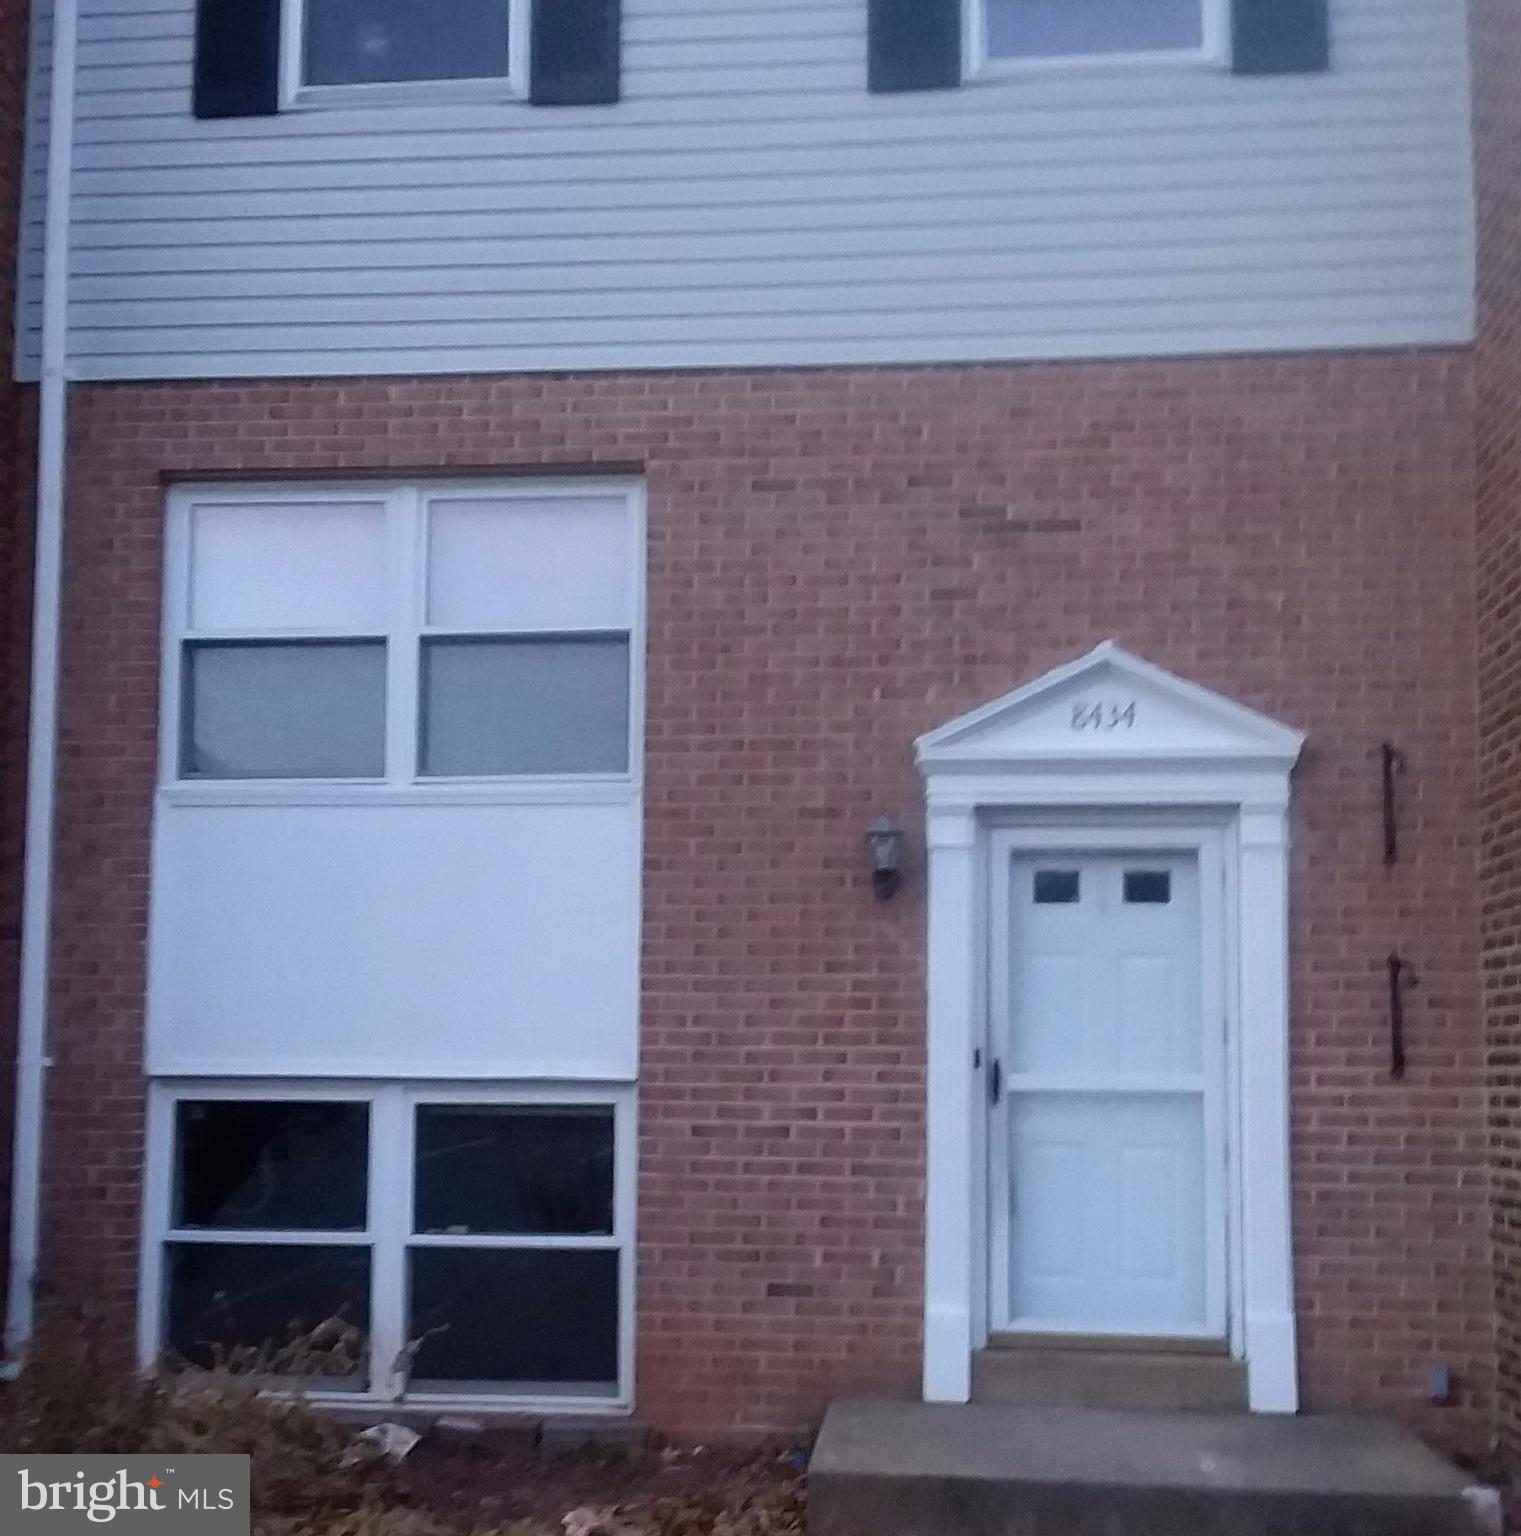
column 1497, row 123
column 15, row 583
column 838, row 561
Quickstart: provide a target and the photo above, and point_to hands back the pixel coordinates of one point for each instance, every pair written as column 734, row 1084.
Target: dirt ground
column 504, row 1481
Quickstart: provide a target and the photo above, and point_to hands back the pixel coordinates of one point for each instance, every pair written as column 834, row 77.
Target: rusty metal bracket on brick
column 1393, row 768
column 1402, row 978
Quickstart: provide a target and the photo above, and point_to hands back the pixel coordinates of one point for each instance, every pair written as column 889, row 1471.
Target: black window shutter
column 237, row 58
column 913, row 45
column 1280, row 37
column 575, row 52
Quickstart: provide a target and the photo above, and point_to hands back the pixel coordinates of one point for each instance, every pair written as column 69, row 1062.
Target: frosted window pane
column 302, row 710
column 525, row 706
column 1034, row 29
column 291, row 565
column 364, row 42
column 555, row 564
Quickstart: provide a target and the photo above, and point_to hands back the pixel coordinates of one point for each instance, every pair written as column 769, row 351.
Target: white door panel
column 1105, row 1129
column 1107, row 1227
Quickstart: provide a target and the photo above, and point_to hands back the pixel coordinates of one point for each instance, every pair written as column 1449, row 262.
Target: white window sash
column 295, row 93
column 389, row 1235
column 403, row 782
column 978, row 59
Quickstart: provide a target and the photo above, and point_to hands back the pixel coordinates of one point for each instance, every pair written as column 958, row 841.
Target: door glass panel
column 1106, row 984
column 1148, row 887
column 1056, row 887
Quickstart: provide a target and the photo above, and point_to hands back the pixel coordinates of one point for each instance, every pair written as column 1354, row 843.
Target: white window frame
column 388, row 1232
column 406, row 628
column 1213, row 52
column 295, row 93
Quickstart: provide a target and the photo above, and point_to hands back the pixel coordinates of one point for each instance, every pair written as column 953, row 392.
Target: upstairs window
column 1015, row 32
column 256, row 58
column 1043, row 29
column 403, row 635
column 937, row 45
column 374, row 42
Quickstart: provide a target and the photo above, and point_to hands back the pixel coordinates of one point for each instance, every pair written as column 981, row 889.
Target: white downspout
column 42, row 727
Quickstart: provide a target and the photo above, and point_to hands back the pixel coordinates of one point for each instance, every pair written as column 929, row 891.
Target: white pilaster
column 951, row 999
column 1267, row 1215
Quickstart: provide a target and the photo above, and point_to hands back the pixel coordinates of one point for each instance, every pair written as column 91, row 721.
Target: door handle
column 995, row 1081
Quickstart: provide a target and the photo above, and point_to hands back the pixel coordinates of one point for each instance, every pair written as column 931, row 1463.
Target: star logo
column 155, row 1482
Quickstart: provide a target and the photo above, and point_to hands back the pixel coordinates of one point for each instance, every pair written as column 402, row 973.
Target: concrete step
column 883, row 1468
column 1096, row 1378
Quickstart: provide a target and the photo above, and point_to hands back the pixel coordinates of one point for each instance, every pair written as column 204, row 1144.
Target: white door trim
column 1066, row 748
column 1201, row 839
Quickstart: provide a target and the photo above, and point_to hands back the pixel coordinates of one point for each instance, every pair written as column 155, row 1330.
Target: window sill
column 1194, row 61
column 404, row 93
column 489, row 1403
column 254, row 793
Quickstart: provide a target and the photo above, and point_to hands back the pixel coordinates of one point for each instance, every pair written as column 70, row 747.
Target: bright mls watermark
column 133, row 1495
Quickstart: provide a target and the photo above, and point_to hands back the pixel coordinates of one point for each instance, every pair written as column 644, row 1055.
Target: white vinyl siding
column 748, row 203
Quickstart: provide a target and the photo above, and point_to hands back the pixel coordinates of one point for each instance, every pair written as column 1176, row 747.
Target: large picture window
column 478, row 1239
column 404, row 634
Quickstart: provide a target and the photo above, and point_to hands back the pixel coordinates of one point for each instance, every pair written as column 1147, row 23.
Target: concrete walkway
column 884, row 1468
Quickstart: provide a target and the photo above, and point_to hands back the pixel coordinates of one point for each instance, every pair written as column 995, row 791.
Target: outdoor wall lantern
column 885, row 842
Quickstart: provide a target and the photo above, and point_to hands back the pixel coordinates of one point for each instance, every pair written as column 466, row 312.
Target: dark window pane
column 1148, row 887
column 271, row 1167
column 310, row 709
column 1029, row 29
column 237, row 1295
column 541, row 705
column 363, row 42
column 1056, row 887
column 501, row 1168
column 525, row 1316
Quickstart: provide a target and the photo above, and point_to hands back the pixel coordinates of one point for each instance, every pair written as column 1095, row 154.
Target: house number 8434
column 1103, row 715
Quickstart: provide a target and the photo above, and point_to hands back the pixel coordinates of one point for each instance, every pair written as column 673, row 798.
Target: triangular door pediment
column 1108, row 706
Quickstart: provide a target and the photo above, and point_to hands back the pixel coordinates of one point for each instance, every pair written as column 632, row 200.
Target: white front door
column 1106, row 1174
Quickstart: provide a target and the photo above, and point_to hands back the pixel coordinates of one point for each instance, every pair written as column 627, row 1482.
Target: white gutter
column 42, row 726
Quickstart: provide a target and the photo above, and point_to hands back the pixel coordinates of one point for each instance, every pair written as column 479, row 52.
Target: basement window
column 514, row 1200
column 469, row 1243
column 268, row 1229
